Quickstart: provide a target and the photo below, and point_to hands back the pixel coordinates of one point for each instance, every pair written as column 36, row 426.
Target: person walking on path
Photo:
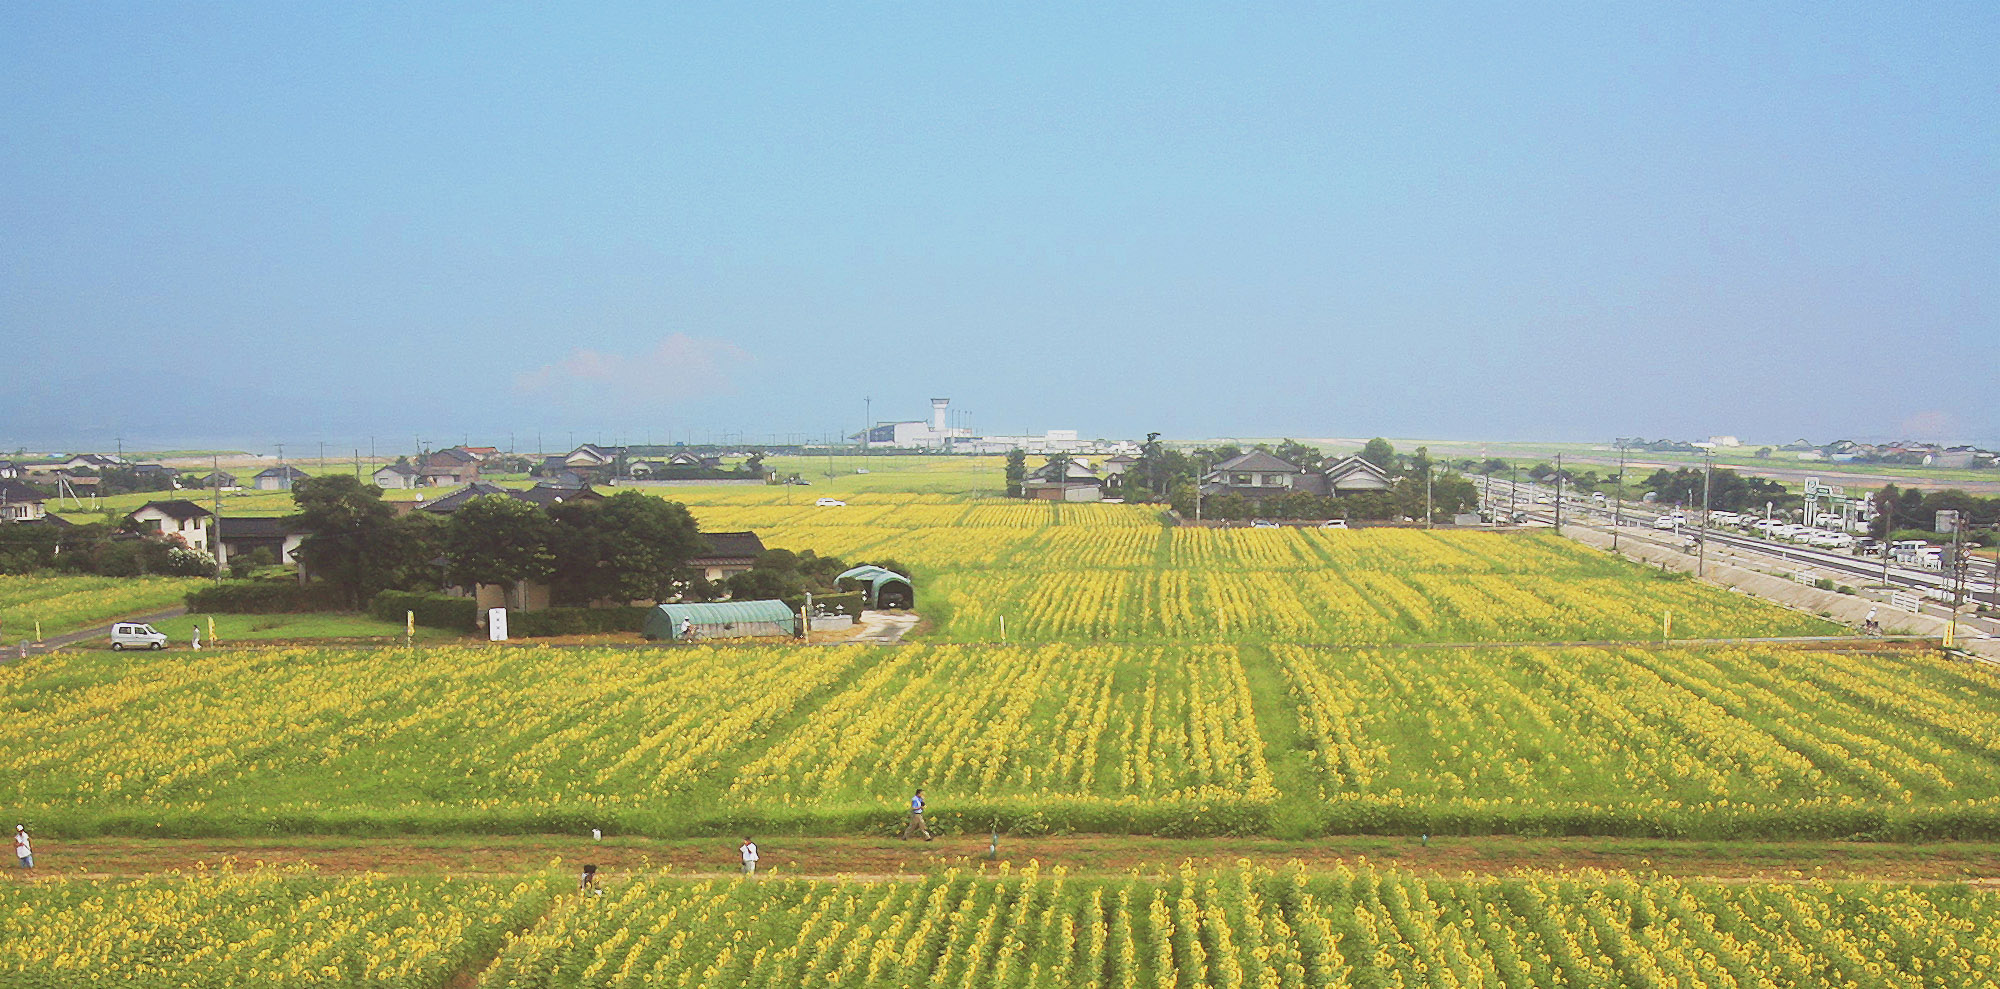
column 749, row 851
column 22, row 849
column 588, row 884
column 196, row 643
column 916, row 825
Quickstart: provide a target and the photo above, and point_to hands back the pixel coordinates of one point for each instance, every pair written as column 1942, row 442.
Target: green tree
column 1017, row 471
column 1300, row 455
column 1378, row 452
column 498, row 539
column 357, row 544
column 628, row 547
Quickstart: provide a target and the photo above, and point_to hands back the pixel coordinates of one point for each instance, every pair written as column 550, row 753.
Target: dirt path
column 55, row 642
column 883, row 858
column 884, row 628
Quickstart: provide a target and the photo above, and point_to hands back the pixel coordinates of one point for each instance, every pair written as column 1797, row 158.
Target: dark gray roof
column 457, row 499
column 255, row 527
column 175, row 508
column 548, row 494
column 724, row 546
column 1257, row 461
column 14, row 492
column 286, row 471
column 1351, row 465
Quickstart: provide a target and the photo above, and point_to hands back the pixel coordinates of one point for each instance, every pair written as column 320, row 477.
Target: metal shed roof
column 728, row 612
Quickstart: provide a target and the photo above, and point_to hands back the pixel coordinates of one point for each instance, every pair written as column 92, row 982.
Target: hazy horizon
column 244, row 225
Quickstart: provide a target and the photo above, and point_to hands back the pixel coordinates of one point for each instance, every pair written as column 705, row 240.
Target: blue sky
column 289, row 223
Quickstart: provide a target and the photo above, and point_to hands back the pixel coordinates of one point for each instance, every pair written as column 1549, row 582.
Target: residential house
column 541, row 494
column 1077, row 483
column 21, row 503
column 453, row 465
column 219, row 479
column 646, row 468
column 728, row 554
column 241, row 535
column 457, row 499
column 566, row 479
column 9, row 469
column 1115, row 468
column 484, row 453
column 1354, row 475
column 93, row 462
column 546, row 494
column 695, row 460
column 178, row 517
column 1258, row 475
column 395, row 477
column 278, row 478
column 590, row 456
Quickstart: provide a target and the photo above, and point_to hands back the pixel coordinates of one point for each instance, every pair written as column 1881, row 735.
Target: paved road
column 55, row 642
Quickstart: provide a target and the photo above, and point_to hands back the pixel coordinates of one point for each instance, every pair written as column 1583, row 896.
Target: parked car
column 129, row 636
column 830, row 503
column 1334, row 524
column 1262, row 524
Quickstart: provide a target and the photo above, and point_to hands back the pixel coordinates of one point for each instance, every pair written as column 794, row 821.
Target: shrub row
column 432, row 610
column 575, row 621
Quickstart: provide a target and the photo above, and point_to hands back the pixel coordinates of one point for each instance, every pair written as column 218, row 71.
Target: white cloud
column 678, row 369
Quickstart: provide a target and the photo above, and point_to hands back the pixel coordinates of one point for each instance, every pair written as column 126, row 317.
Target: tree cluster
column 1898, row 509
column 1728, row 491
column 99, row 548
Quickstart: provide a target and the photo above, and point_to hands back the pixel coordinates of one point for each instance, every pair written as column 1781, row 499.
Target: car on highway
column 1664, row 522
column 830, row 503
column 1263, row 524
column 1334, row 524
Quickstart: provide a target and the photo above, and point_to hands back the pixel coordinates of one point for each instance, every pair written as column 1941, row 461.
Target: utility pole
column 1429, row 513
column 867, row 423
column 215, row 532
column 1701, row 536
column 1618, row 506
column 1513, row 489
column 1559, row 494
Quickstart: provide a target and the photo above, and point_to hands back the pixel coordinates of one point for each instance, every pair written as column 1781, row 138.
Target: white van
column 128, row 636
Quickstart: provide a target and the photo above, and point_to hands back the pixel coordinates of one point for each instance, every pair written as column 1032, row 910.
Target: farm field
column 73, row 603
column 1029, row 739
column 1348, row 927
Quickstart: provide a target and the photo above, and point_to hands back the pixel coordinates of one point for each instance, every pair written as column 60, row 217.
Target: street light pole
column 1559, row 494
column 1701, row 537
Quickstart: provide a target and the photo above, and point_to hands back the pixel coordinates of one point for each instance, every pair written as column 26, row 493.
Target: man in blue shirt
column 916, row 825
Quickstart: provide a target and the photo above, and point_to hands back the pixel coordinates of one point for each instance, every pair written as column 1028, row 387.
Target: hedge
column 432, row 610
column 575, row 621
column 263, row 597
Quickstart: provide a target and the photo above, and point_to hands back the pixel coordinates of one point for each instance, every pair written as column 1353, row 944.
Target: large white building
column 916, row 434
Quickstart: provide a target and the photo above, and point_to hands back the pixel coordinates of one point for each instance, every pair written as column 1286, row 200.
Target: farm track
column 883, row 859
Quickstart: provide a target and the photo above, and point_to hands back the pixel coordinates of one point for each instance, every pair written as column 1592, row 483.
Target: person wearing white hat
column 25, row 851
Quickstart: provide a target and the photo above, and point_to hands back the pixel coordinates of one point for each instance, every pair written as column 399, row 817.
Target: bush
column 263, row 597
column 575, row 621
column 432, row 610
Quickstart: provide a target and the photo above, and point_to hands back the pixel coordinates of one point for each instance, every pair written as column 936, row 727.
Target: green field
column 70, row 604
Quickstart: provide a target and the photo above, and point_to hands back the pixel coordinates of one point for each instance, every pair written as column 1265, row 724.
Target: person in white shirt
column 25, row 851
column 749, row 851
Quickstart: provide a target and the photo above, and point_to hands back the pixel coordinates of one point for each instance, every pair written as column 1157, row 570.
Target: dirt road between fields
column 883, row 858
